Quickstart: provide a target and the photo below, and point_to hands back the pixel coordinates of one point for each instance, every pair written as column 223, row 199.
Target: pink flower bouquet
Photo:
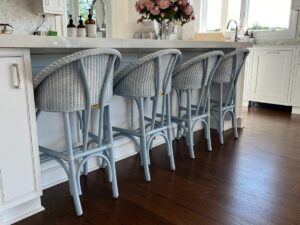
column 160, row 10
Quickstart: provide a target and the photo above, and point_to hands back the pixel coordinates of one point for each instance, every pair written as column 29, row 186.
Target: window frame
column 290, row 33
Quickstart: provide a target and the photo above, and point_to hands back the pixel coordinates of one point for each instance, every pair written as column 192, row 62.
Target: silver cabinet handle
column 16, row 66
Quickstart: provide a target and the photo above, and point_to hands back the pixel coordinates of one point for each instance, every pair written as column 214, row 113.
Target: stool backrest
column 197, row 73
column 229, row 71
column 149, row 76
column 77, row 81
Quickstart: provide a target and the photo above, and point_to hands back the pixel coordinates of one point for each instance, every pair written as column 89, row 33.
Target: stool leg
column 221, row 127
column 143, row 145
column 179, row 99
column 234, row 124
column 73, row 182
column 111, row 153
column 220, row 115
column 86, row 120
column 208, row 134
column 189, row 124
column 169, row 133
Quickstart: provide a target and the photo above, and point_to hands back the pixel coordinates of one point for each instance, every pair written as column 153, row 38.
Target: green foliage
column 257, row 26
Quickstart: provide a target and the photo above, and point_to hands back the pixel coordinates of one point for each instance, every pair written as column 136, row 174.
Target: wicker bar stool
column 196, row 76
column 225, row 82
column 149, row 78
column 76, row 84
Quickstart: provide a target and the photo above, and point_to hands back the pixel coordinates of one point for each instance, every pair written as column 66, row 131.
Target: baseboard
column 295, row 110
column 228, row 124
column 23, row 211
column 245, row 103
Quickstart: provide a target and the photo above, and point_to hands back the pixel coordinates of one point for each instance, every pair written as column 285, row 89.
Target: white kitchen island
column 21, row 57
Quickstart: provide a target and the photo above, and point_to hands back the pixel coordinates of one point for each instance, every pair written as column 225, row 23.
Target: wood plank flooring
column 253, row 180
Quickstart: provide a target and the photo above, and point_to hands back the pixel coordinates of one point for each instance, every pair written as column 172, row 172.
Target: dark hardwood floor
column 252, row 180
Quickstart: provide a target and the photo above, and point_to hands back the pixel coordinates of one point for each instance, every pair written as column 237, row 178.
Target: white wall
column 19, row 13
column 124, row 18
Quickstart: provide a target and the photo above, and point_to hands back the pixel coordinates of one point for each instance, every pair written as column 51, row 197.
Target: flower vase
column 163, row 30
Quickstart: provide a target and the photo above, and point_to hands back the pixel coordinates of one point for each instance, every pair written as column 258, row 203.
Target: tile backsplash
column 19, row 13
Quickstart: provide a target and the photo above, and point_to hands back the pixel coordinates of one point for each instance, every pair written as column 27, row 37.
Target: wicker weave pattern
column 225, row 71
column 138, row 79
column 60, row 88
column 190, row 74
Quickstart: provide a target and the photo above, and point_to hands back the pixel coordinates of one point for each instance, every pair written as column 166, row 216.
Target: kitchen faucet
column 236, row 29
column 103, row 28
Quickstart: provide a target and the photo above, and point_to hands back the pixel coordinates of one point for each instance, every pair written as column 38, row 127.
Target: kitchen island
column 21, row 57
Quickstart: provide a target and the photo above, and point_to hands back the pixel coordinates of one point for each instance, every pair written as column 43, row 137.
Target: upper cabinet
column 56, row 7
column 296, row 5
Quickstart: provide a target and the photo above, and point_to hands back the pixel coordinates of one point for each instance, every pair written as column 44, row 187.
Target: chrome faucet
column 236, row 29
column 103, row 28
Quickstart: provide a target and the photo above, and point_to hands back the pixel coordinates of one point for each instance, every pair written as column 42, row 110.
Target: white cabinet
column 50, row 6
column 296, row 5
column 19, row 159
column 296, row 86
column 271, row 75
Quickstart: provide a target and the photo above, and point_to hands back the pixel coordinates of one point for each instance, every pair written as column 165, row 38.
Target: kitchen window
column 80, row 7
column 268, row 19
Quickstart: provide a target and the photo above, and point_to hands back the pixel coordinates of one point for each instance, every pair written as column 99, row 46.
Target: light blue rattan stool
column 76, row 84
column 149, row 77
column 225, row 82
column 196, row 76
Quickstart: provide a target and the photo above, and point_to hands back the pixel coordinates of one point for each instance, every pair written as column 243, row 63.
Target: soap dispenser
column 71, row 28
column 90, row 24
column 81, row 29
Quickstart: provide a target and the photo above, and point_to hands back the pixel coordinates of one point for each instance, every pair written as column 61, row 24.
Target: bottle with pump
column 251, row 38
column 246, row 36
column 71, row 28
column 81, row 29
column 90, row 24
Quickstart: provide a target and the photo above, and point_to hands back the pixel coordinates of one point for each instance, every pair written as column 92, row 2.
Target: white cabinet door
column 271, row 74
column 296, row 4
column 19, row 173
column 296, row 88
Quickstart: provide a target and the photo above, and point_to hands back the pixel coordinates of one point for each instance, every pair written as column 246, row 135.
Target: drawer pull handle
column 16, row 66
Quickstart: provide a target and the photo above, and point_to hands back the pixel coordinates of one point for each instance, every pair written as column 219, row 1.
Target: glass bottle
column 90, row 24
column 71, row 28
column 81, row 29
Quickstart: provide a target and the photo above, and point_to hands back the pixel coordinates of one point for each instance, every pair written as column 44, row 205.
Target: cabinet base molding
column 228, row 124
column 20, row 212
column 296, row 110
